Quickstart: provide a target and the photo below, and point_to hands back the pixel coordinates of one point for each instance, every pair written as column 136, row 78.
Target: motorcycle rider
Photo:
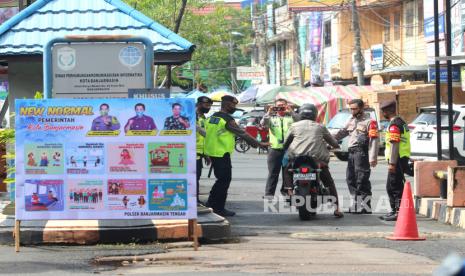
column 309, row 138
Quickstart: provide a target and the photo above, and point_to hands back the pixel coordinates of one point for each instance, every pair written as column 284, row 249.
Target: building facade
column 321, row 42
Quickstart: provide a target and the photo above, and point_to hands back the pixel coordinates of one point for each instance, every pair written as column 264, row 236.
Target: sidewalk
column 436, row 208
column 210, row 227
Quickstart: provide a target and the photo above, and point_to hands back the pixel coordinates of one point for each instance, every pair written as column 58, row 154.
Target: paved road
column 265, row 243
column 271, row 243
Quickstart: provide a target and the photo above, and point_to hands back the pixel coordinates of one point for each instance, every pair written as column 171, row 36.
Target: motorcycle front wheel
column 241, row 145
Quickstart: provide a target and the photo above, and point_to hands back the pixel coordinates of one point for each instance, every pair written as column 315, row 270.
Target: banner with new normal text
column 105, row 159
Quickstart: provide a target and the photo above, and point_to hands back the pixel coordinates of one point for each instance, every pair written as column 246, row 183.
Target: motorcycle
column 241, row 145
column 307, row 186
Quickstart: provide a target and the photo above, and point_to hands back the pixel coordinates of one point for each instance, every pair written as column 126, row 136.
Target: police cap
column 387, row 104
column 204, row 99
column 228, row 98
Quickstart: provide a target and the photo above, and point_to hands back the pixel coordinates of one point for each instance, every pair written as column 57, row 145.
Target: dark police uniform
column 363, row 148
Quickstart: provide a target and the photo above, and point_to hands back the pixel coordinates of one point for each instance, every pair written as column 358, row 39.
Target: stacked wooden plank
column 406, row 103
column 410, row 96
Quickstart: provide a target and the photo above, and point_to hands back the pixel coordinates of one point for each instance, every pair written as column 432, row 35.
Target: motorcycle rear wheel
column 241, row 146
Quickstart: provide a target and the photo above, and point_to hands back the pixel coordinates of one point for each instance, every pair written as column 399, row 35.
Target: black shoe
column 224, row 213
column 388, row 215
column 391, row 217
column 365, row 212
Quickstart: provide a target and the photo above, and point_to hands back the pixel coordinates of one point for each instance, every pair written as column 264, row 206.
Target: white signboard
column 251, row 73
column 105, row 159
column 96, row 70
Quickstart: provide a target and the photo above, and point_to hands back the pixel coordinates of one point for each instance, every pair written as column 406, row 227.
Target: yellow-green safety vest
column 218, row 140
column 200, row 140
column 404, row 145
column 279, row 127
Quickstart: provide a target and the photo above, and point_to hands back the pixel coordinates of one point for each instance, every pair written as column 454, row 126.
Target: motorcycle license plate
column 305, row 176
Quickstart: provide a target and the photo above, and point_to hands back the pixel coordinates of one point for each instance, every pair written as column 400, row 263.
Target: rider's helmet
column 308, row 112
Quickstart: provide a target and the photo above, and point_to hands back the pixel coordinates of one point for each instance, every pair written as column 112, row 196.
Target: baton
column 210, row 171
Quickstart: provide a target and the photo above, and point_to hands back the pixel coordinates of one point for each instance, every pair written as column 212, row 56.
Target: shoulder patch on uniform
column 373, row 129
column 394, row 134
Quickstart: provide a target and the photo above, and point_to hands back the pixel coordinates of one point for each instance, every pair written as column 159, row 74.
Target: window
column 409, row 18
column 387, row 28
column 420, row 17
column 327, row 33
column 396, row 26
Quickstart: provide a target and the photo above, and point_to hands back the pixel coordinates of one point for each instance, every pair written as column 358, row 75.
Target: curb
column 436, row 208
column 86, row 232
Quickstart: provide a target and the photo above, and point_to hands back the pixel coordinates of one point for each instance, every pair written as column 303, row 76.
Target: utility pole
column 231, row 64
column 358, row 47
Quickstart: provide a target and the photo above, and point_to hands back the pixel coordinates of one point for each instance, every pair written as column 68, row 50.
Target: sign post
column 106, row 159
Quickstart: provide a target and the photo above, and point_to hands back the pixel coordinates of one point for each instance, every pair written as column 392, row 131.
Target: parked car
column 423, row 134
column 340, row 120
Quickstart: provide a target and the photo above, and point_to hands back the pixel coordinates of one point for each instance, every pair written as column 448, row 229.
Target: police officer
column 397, row 155
column 363, row 152
column 309, row 138
column 278, row 120
column 219, row 145
column 203, row 107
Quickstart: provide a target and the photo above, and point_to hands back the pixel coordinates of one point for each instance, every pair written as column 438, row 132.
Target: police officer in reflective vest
column 219, row 145
column 363, row 152
column 203, row 107
column 397, row 155
column 278, row 120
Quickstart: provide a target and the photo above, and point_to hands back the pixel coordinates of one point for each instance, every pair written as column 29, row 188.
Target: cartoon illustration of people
column 176, row 122
column 30, row 160
column 158, row 192
column 125, row 201
column 141, row 201
column 73, row 161
column 56, row 159
column 84, row 161
column 43, row 160
column 113, row 188
column 51, row 196
column 181, row 160
column 126, row 158
column 35, row 200
column 140, row 121
column 97, row 161
column 105, row 122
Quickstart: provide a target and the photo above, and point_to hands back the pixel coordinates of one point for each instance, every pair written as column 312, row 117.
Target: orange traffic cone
column 406, row 224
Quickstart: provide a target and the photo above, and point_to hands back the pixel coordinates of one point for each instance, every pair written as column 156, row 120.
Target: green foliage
column 7, row 136
column 39, row 95
column 211, row 33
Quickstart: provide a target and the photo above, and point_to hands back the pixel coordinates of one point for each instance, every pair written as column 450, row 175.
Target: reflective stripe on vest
column 218, row 140
column 279, row 127
column 404, row 145
column 200, row 140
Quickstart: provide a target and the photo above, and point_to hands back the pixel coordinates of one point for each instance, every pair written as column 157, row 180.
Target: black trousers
column 199, row 174
column 274, row 161
column 223, row 172
column 358, row 173
column 395, row 183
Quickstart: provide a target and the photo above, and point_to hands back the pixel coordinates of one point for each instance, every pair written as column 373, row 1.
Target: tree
column 211, row 34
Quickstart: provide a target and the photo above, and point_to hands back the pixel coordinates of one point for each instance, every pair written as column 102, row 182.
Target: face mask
column 204, row 110
column 139, row 113
column 232, row 110
column 103, row 112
